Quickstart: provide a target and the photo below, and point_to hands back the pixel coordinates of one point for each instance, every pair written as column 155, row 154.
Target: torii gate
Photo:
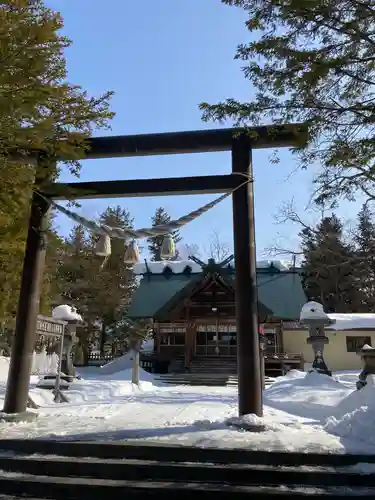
column 240, row 142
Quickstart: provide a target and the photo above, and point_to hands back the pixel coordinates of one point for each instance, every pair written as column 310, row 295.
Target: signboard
column 49, row 326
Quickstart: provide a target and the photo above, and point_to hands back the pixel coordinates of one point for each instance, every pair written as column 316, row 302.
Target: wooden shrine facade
column 193, row 309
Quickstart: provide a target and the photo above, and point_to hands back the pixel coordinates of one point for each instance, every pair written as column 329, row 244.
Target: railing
column 172, row 350
column 210, row 350
column 283, row 356
column 98, row 359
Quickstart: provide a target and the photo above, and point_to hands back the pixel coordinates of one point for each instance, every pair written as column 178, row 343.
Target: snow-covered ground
column 302, row 412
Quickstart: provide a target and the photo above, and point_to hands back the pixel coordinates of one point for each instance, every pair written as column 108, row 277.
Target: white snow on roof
column 282, row 265
column 340, row 321
column 352, row 321
column 177, row 266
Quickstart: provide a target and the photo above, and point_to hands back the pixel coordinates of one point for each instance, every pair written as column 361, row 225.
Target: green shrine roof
column 279, row 290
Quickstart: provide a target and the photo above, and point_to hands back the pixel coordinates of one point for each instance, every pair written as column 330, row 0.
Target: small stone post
column 315, row 319
column 367, row 354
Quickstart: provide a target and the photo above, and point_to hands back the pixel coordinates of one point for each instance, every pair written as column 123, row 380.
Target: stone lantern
column 367, row 354
column 73, row 319
column 315, row 319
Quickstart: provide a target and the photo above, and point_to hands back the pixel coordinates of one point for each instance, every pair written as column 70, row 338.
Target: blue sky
column 162, row 58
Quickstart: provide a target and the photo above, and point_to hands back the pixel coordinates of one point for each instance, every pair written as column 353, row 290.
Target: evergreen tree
column 328, row 267
column 75, row 279
column 102, row 295
column 39, row 109
column 116, row 281
column 75, row 269
column 13, row 220
column 155, row 243
column 49, row 289
column 364, row 239
column 312, row 61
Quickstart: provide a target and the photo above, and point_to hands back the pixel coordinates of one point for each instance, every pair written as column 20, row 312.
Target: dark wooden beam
column 168, row 143
column 209, row 184
column 209, row 304
column 197, row 141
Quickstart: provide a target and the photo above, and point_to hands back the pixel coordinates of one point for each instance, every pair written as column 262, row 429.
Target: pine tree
column 74, row 273
column 75, row 279
column 116, row 281
column 364, row 239
column 49, row 289
column 328, row 267
column 155, row 243
column 312, row 61
column 101, row 295
column 39, row 109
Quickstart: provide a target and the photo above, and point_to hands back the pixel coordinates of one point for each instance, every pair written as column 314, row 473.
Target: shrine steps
column 214, row 365
column 200, row 379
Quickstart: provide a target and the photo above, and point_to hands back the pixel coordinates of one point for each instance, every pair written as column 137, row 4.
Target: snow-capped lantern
column 70, row 315
column 367, row 354
column 313, row 310
column 315, row 319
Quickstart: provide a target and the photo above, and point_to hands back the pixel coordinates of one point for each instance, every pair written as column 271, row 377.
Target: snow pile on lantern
column 312, row 310
column 66, row 313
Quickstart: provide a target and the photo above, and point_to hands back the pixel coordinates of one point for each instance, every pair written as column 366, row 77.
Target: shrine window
column 177, row 339
column 355, row 344
column 172, row 339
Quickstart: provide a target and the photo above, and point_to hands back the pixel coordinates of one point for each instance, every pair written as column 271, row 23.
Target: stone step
column 153, row 472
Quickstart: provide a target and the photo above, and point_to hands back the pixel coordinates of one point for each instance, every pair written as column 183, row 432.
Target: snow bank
column 250, row 421
column 107, row 390
column 297, row 378
column 355, row 416
column 121, row 369
column 4, row 368
column 126, row 375
column 124, row 362
column 310, row 396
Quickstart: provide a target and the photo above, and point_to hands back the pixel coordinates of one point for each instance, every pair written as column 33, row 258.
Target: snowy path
column 190, row 416
column 302, row 412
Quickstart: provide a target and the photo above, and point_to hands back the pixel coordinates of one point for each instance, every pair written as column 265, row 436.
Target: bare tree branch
column 217, row 249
